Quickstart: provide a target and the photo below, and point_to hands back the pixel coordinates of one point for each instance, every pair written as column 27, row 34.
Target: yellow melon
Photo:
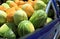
column 2, row 8
column 10, row 12
column 28, row 9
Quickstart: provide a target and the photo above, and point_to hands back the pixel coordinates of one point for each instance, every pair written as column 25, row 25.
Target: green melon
column 11, row 25
column 25, row 27
column 38, row 18
column 6, row 32
column 5, row 5
column 8, row 2
column 3, row 16
column 19, row 16
column 48, row 20
column 39, row 5
column 45, row 1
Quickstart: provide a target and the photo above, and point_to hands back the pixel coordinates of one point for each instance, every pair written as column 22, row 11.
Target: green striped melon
column 38, row 18
column 25, row 27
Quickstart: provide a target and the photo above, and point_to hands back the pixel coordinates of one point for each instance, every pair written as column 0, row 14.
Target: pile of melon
column 21, row 17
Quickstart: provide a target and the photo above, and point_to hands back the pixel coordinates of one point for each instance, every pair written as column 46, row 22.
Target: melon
column 45, row 1
column 39, row 5
column 6, row 32
column 12, row 26
column 20, row 2
column 25, row 27
column 32, row 3
column 11, row 3
column 3, row 16
column 10, row 13
column 28, row 9
column 19, row 16
column 48, row 20
column 38, row 18
column 5, row 5
column 2, row 8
